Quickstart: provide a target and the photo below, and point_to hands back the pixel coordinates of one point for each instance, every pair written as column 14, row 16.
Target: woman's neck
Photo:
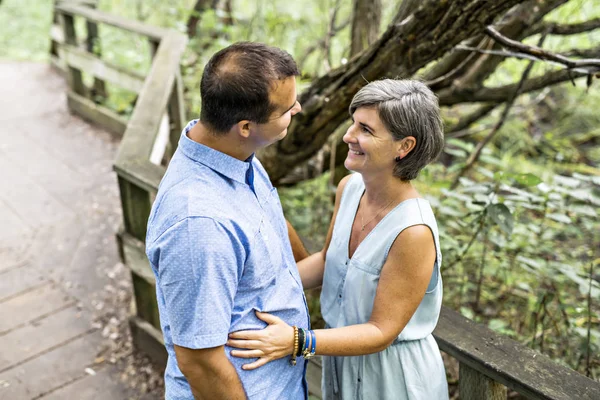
column 380, row 191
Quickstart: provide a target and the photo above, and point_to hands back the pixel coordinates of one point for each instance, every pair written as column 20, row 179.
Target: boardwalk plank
column 18, row 280
column 12, row 225
column 56, row 369
column 31, row 305
column 31, row 202
column 32, row 339
column 31, row 158
column 105, row 385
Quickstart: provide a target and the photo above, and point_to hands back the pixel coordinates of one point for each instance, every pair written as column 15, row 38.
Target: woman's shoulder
column 350, row 181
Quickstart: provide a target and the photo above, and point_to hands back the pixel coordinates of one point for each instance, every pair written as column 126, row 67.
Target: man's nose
column 297, row 108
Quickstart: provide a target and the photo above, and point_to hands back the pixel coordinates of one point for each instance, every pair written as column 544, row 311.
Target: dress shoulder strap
column 409, row 213
column 348, row 205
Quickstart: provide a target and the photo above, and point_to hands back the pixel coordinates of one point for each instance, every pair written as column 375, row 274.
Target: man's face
column 283, row 97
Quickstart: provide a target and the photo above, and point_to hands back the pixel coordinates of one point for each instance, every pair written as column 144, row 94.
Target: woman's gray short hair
column 406, row 108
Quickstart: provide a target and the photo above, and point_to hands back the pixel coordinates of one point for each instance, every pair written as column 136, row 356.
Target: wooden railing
column 489, row 363
column 149, row 137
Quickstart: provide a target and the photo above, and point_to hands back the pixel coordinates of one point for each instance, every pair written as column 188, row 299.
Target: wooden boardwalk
column 59, row 267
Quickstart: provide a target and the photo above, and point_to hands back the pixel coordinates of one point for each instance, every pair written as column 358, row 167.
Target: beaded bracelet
column 295, row 350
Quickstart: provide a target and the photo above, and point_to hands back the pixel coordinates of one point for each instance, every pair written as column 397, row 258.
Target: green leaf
column 502, row 216
column 535, row 264
column 450, row 211
column 455, row 152
column 467, row 312
column 468, row 147
column 521, row 179
column 527, row 179
column 566, row 181
column 497, row 324
column 559, row 218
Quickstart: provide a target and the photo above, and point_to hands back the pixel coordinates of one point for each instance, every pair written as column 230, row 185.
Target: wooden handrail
column 155, row 94
column 150, row 31
column 509, row 362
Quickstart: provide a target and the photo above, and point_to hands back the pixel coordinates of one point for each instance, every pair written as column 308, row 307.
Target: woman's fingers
column 247, row 353
column 268, row 318
column 244, row 344
column 247, row 335
column 258, row 363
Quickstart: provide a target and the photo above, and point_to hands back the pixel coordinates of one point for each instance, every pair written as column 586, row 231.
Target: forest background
column 517, row 190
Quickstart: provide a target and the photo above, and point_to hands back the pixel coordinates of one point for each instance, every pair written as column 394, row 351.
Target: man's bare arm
column 300, row 252
column 210, row 373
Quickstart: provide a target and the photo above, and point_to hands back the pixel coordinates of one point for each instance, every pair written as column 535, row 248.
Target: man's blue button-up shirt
column 218, row 244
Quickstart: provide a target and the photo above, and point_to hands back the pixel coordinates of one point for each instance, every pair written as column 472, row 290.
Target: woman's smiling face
column 371, row 146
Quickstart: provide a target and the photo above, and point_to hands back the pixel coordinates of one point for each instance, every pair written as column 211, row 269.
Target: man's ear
column 243, row 128
column 405, row 146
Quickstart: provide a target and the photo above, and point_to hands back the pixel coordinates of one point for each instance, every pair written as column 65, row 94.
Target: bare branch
column 517, row 24
column 449, row 97
column 321, row 43
column 514, row 54
column 583, row 53
column 451, row 60
column 446, row 79
column 568, row 29
column 540, row 53
column 475, row 155
column 330, row 34
column 471, row 118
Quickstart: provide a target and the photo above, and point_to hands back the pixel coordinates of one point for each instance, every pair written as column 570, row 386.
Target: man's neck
column 227, row 143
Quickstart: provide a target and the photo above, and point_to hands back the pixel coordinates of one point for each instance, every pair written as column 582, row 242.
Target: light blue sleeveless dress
column 411, row 368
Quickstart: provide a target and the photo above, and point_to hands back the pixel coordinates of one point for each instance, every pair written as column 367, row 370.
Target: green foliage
column 518, row 247
column 24, row 29
column 311, row 226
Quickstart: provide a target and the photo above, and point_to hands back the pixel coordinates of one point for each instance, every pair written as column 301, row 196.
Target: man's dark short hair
column 236, row 83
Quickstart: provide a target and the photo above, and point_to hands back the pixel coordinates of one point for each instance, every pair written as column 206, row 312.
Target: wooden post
column 473, row 385
column 136, row 208
column 93, row 46
column 55, row 23
column 176, row 112
column 73, row 74
column 145, row 300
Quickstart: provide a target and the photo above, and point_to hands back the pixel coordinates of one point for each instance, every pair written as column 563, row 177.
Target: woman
column 380, row 266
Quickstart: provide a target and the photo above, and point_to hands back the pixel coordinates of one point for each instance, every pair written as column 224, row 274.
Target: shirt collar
column 228, row 166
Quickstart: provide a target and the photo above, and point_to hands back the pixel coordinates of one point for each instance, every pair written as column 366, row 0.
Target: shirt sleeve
column 198, row 268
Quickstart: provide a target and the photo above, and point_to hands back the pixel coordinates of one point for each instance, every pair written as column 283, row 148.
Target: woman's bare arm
column 402, row 285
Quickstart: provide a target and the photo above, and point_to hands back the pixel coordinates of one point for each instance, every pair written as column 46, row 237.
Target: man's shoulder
column 195, row 199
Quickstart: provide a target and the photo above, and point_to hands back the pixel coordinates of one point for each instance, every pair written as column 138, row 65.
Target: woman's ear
column 405, row 146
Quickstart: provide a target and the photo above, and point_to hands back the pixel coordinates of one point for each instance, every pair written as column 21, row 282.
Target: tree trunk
column 366, row 18
column 408, row 45
column 196, row 15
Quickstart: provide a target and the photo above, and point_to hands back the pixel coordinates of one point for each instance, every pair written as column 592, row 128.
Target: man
column 217, row 240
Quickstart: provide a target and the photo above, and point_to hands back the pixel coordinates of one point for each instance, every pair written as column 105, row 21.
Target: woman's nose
column 348, row 136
